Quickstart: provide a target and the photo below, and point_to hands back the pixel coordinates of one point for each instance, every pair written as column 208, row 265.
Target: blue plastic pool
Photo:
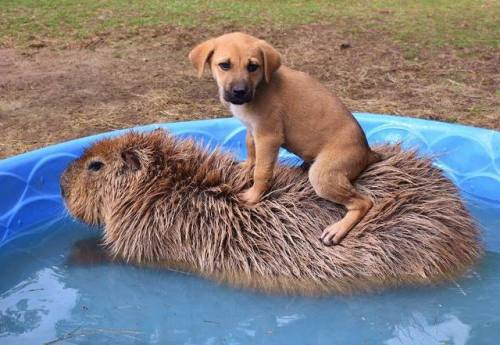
column 43, row 300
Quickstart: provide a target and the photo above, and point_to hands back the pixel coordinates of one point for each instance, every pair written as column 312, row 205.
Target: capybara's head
column 107, row 170
column 239, row 62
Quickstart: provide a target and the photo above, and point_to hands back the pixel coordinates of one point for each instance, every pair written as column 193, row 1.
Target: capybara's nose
column 63, row 180
column 63, row 193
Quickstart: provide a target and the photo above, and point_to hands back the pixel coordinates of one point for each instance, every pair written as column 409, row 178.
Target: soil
column 51, row 92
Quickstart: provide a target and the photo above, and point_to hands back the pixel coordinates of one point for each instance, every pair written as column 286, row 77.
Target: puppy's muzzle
column 239, row 93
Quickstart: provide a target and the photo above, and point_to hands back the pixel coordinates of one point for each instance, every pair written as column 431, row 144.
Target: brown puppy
column 284, row 107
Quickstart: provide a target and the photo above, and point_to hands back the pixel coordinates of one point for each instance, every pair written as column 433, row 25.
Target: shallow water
column 44, row 300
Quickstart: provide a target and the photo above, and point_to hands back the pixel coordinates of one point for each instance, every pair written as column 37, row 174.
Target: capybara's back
column 171, row 203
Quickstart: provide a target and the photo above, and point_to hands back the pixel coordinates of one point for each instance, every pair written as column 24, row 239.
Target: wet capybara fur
column 171, row 203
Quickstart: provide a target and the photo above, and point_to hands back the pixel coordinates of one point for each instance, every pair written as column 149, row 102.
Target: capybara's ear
column 131, row 159
column 271, row 57
column 201, row 54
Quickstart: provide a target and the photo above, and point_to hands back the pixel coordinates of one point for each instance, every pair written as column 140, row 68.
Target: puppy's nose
column 239, row 90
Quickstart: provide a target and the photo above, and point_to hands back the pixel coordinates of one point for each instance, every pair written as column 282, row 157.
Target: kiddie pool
column 43, row 300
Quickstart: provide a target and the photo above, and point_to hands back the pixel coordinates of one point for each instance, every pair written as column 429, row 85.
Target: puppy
column 281, row 107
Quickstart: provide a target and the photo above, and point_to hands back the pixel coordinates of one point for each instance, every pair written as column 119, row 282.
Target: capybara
column 172, row 203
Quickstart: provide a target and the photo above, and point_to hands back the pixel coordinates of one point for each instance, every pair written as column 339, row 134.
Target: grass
column 459, row 23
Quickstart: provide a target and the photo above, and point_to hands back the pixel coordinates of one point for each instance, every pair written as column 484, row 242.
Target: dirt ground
column 51, row 93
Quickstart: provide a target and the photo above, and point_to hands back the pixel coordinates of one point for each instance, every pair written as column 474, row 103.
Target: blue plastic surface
column 29, row 183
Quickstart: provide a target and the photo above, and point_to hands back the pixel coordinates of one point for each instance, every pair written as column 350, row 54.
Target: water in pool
column 43, row 300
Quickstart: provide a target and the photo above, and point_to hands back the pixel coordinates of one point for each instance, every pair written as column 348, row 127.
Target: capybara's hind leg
column 332, row 184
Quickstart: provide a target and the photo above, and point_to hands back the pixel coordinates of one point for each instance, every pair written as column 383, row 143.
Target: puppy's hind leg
column 332, row 183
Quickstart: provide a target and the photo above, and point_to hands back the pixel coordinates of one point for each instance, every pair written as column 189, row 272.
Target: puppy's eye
column 95, row 166
column 252, row 67
column 225, row 66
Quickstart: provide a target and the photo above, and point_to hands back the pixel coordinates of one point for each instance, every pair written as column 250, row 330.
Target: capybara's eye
column 225, row 66
column 252, row 67
column 95, row 166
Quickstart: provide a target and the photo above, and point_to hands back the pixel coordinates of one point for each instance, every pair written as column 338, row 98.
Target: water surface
column 43, row 300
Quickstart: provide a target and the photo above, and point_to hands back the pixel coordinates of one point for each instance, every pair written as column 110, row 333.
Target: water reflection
column 419, row 330
column 30, row 311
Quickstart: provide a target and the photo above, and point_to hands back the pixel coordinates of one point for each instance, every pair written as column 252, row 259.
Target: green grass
column 459, row 23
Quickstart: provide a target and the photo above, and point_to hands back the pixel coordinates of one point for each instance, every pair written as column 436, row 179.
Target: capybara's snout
column 64, row 180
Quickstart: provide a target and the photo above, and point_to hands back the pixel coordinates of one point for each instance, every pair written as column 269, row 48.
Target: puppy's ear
column 272, row 59
column 131, row 159
column 201, row 54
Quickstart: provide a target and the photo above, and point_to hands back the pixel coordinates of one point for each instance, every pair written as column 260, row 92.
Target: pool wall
column 29, row 183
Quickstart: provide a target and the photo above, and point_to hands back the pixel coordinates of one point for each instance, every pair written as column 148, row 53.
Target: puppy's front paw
column 250, row 197
column 247, row 165
column 333, row 234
